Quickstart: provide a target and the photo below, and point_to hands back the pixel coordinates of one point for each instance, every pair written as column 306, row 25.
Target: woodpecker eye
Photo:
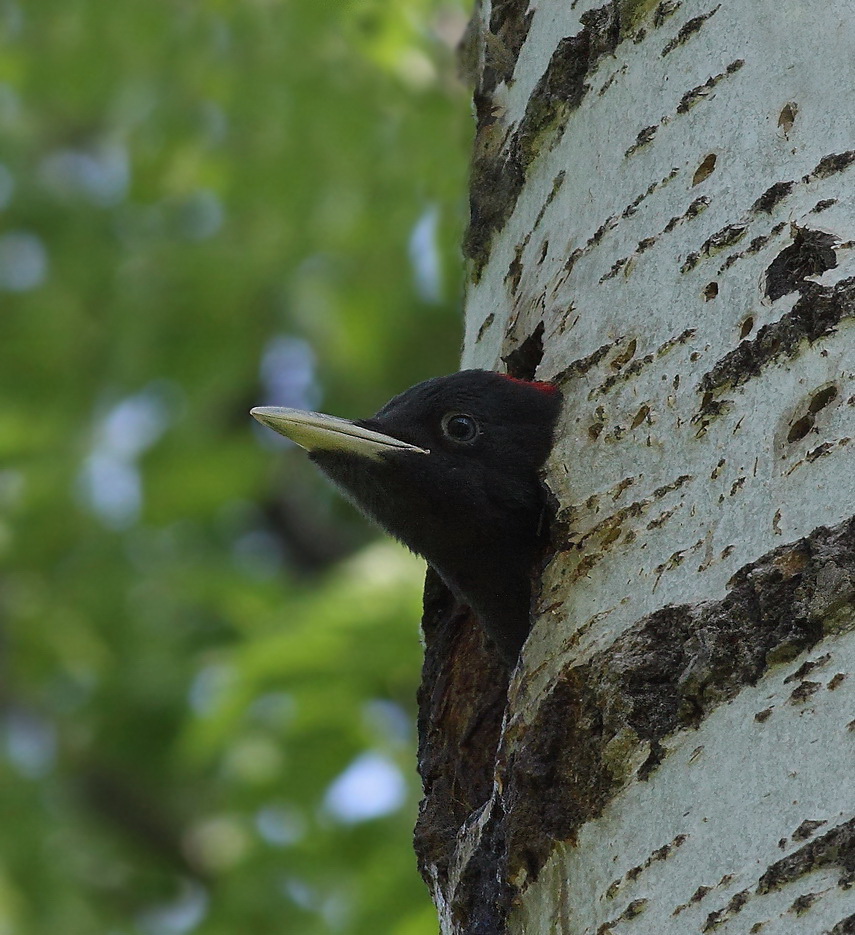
column 459, row 427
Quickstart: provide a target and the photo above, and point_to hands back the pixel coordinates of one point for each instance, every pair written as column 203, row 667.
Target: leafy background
column 208, row 663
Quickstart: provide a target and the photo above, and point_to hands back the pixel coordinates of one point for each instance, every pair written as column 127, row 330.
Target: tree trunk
column 663, row 223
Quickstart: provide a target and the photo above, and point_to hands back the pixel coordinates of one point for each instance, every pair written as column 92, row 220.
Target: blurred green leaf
column 203, row 207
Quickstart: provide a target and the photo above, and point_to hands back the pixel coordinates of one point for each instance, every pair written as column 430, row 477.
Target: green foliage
column 198, row 638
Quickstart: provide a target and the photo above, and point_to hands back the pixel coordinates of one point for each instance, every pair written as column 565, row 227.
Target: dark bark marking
column 615, row 269
column 799, row 430
column 756, row 245
column 632, row 207
column 844, row 926
column 510, row 21
column 515, row 268
column 581, row 366
column 660, row 520
column 698, row 206
column 632, row 370
column 823, row 205
column 804, row 669
column 664, row 10
column 821, row 398
column 720, row 240
column 689, row 29
column 485, row 325
column 495, row 184
column 830, row 165
column 737, row 901
column 773, row 196
column 523, row 361
column 806, row 829
column 640, row 416
column 720, row 916
column 710, row 410
column 801, row 905
column 702, row 91
column 804, row 423
column 835, row 848
column 818, row 312
column 820, row 451
column 696, row 897
column 810, row 254
column 802, row 692
column 595, row 428
column 635, row 908
column 557, row 182
column 611, row 80
column 643, row 138
column 498, row 171
column 766, row 204
column 619, row 361
column 661, row 853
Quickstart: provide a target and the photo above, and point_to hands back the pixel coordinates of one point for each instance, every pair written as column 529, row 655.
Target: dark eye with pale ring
column 459, row 427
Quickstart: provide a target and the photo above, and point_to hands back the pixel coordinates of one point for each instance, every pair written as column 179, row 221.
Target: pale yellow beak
column 315, row 431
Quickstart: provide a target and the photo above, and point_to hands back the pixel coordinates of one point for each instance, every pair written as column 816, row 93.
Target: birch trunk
column 663, row 222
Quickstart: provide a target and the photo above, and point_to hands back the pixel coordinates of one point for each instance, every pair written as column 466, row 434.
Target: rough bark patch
column 601, row 720
column 488, row 895
column 810, row 254
column 835, row 848
column 817, row 314
column 667, row 673
column 498, row 166
column 461, row 702
column 562, row 86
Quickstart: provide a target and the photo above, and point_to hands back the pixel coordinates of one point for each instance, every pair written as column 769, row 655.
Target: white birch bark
column 664, row 224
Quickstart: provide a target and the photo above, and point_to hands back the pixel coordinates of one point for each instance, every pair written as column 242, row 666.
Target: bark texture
column 663, row 223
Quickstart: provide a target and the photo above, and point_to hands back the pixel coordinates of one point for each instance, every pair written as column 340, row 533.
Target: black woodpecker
column 450, row 468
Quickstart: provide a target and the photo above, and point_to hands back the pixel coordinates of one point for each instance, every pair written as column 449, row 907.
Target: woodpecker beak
column 315, row 431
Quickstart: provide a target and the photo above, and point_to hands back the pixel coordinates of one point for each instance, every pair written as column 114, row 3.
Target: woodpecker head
column 450, row 468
